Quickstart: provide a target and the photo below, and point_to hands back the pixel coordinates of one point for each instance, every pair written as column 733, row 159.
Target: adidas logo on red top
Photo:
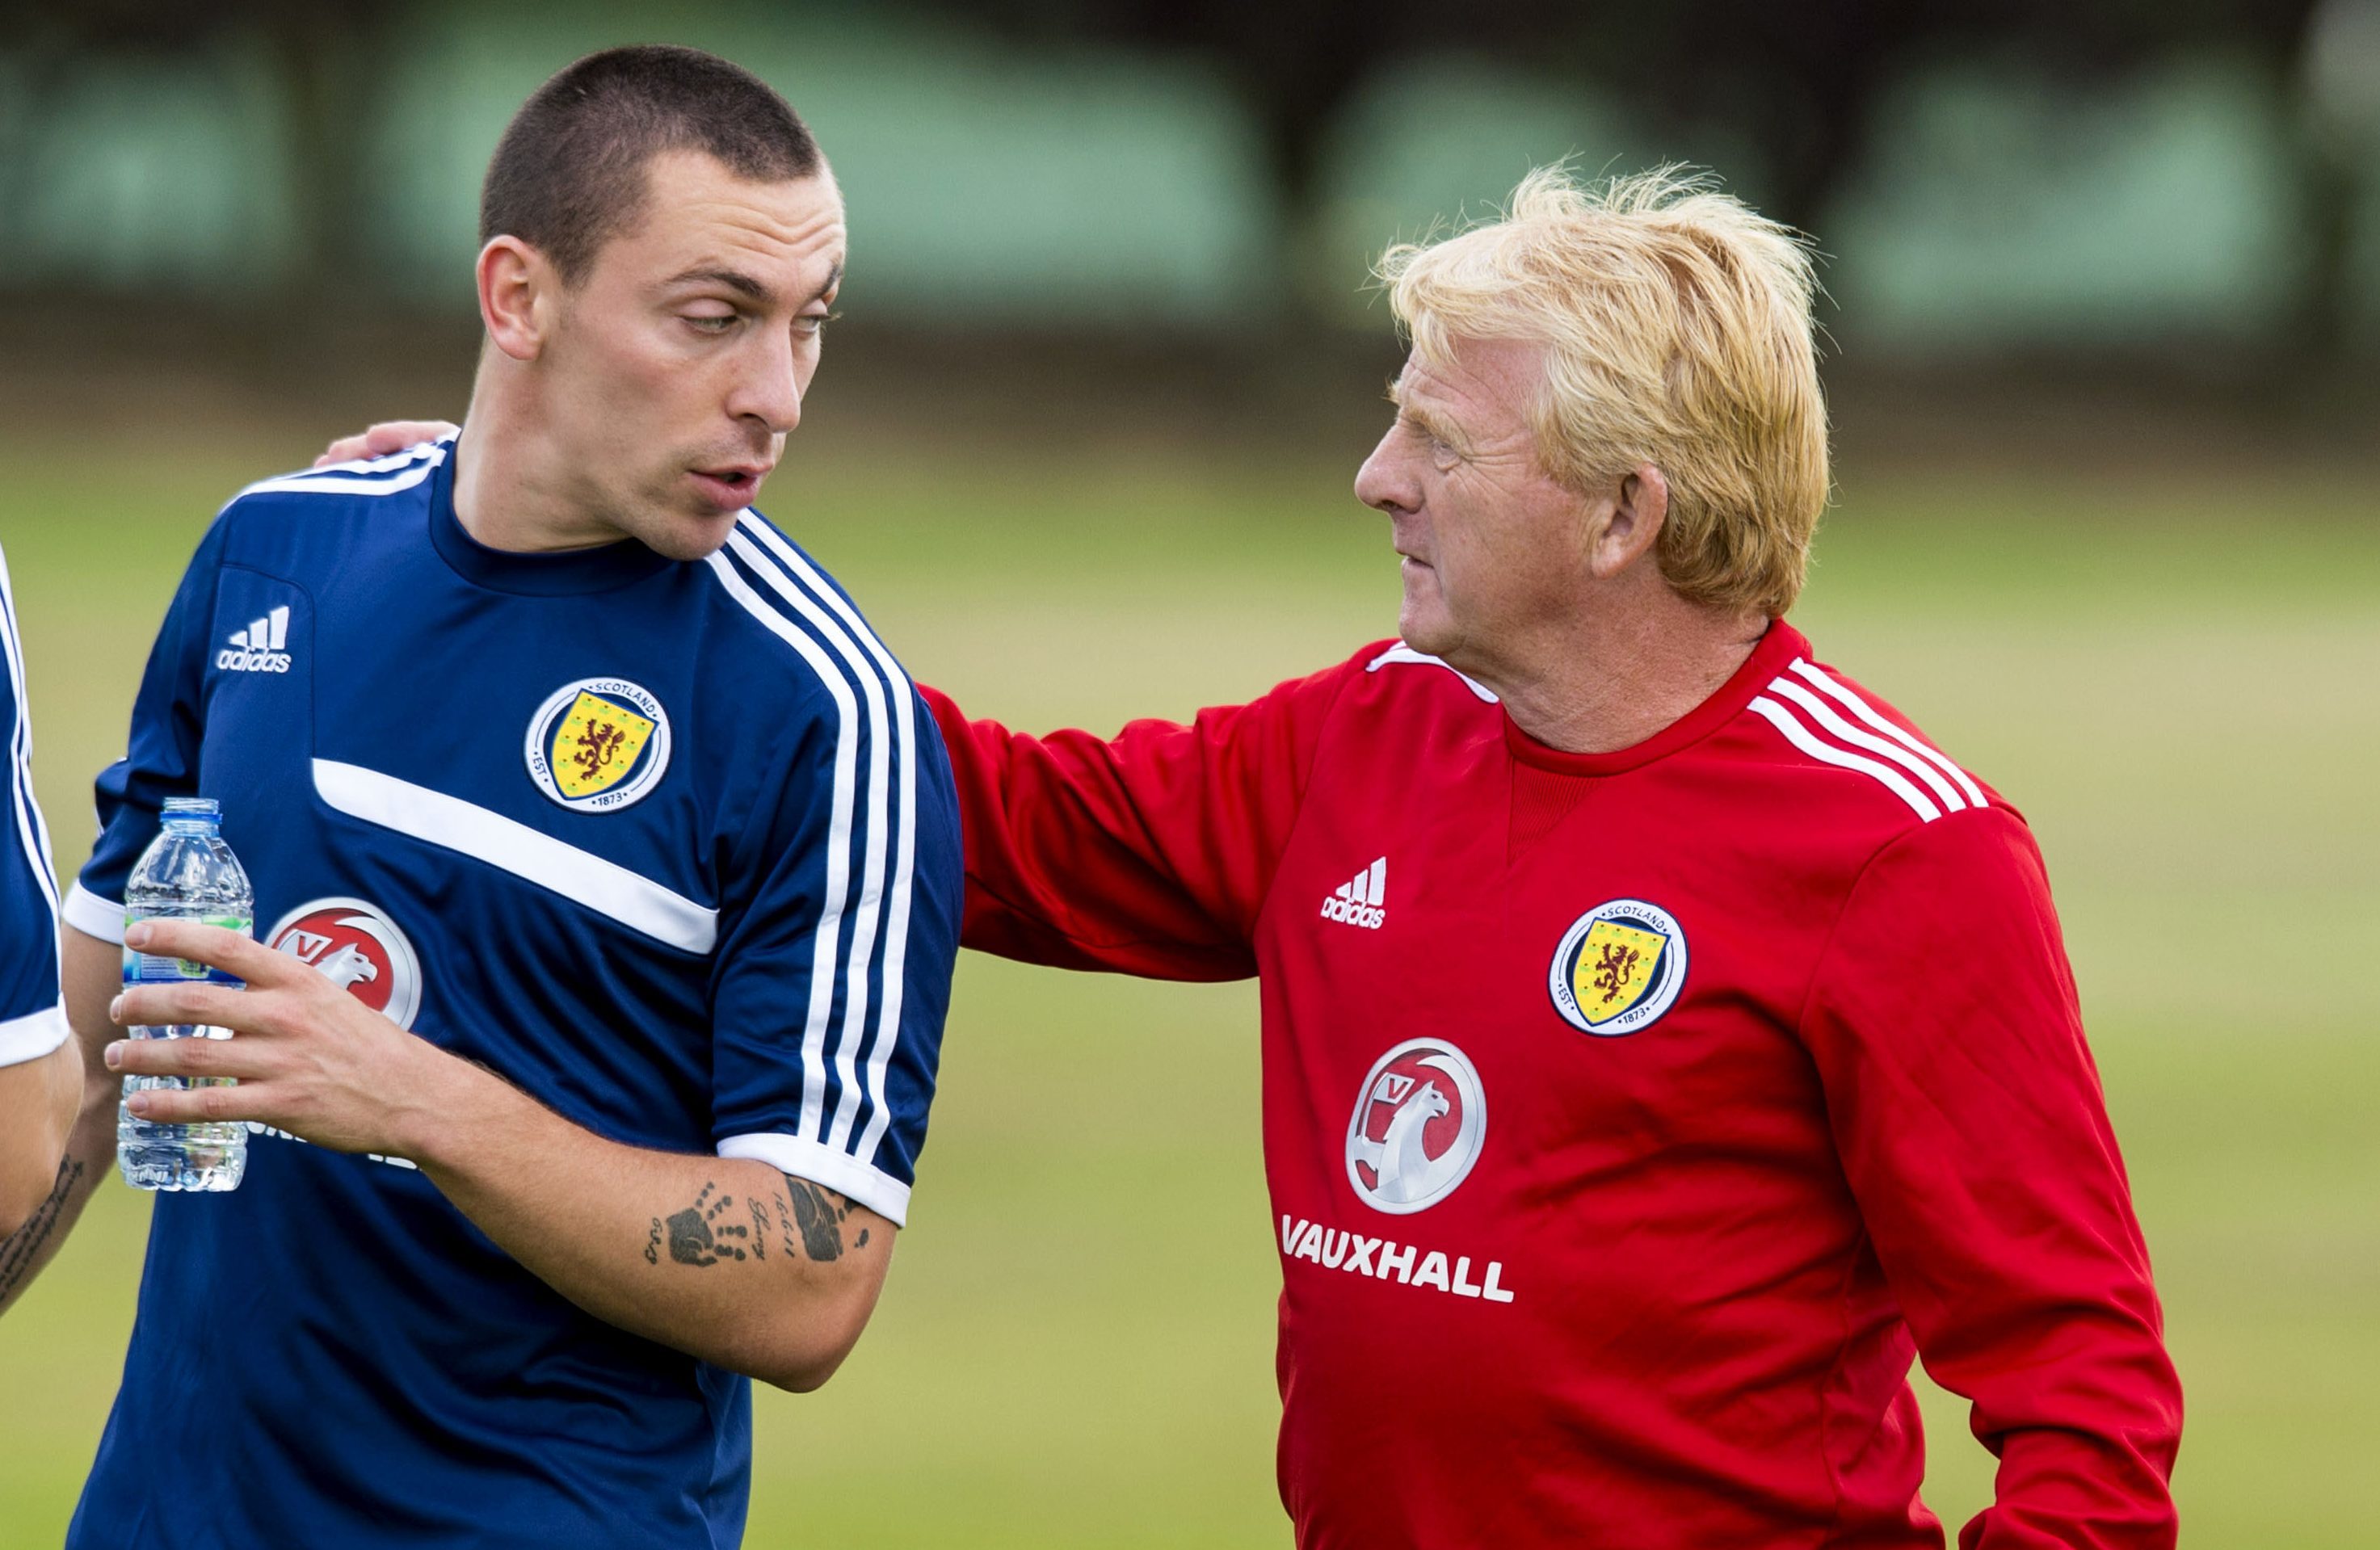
column 1362, row 899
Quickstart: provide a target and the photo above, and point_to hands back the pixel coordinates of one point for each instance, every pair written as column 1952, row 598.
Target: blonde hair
column 1677, row 327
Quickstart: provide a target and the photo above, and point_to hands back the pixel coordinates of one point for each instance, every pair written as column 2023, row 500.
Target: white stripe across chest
column 449, row 822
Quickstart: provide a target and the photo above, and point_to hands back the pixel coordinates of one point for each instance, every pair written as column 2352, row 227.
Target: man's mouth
column 730, row 486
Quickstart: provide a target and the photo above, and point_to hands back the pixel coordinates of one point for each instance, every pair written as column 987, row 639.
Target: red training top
column 1631, row 1118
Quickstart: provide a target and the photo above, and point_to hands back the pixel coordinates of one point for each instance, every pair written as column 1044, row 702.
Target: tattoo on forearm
column 786, row 1226
column 818, row 1213
column 759, row 1226
column 653, row 1243
column 698, row 1237
column 22, row 1250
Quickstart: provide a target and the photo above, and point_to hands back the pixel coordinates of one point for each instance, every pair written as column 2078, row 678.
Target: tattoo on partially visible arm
column 820, row 1214
column 653, row 1243
column 22, row 1248
column 698, row 1237
column 759, row 1226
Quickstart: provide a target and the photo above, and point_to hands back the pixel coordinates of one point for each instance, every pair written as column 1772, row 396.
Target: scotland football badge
column 1620, row 966
column 599, row 744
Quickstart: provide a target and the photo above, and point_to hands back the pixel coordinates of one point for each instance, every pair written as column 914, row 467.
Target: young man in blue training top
column 612, row 871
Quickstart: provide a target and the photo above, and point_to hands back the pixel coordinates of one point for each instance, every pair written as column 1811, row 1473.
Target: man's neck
column 511, row 491
column 1611, row 682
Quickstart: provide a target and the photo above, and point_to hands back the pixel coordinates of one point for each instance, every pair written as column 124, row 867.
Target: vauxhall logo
column 258, row 648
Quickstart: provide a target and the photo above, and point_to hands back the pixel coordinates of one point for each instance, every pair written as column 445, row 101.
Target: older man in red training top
column 1664, row 1042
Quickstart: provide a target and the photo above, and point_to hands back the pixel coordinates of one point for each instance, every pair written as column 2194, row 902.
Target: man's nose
column 770, row 388
column 1382, row 484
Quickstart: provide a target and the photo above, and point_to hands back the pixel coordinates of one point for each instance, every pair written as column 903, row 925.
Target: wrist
column 448, row 1100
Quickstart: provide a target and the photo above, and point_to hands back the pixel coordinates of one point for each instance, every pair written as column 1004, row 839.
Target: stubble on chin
column 689, row 539
column 668, row 522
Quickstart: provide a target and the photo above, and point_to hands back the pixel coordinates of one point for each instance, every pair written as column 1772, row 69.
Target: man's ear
column 1626, row 522
column 517, row 293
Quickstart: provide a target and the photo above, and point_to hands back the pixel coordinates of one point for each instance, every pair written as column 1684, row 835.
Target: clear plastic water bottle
column 186, row 874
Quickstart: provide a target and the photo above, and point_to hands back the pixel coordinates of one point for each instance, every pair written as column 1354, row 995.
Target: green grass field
column 2176, row 684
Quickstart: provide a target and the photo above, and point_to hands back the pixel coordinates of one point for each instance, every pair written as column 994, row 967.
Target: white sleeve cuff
column 92, row 915
column 33, row 1035
column 838, row 1171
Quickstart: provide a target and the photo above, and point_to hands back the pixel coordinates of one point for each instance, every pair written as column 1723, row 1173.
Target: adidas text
column 1362, row 899
column 258, row 648
column 1371, row 917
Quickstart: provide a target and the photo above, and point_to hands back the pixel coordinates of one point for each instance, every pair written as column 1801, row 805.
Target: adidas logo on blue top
column 258, row 648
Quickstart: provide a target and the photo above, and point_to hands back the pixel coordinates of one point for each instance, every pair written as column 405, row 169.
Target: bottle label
column 150, row 968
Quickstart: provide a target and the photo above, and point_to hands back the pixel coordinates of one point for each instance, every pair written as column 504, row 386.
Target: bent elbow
column 808, row 1351
column 803, row 1365
column 804, row 1378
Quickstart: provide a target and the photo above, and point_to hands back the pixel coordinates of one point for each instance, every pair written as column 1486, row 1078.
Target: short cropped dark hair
column 569, row 173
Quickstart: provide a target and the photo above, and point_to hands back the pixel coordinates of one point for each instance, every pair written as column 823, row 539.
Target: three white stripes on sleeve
column 1810, row 707
column 887, row 871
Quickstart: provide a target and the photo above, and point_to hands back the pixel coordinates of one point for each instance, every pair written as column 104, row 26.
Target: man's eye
column 705, row 322
column 810, row 322
column 1439, row 447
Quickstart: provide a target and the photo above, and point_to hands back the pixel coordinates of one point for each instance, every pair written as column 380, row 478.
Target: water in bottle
column 188, row 874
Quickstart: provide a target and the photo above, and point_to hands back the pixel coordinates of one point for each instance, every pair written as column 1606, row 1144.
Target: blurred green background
column 2105, row 304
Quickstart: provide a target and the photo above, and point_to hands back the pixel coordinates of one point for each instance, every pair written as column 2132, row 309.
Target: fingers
column 388, row 436
column 212, row 945
column 213, row 1059
column 165, row 1006
column 347, row 449
column 210, row 1057
column 192, row 1106
column 396, row 435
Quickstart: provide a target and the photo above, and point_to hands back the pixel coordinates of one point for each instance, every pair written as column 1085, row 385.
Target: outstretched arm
column 725, row 1259
column 1149, row 853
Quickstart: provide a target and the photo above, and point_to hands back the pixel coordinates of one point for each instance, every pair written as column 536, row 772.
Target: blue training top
column 672, row 846
column 32, row 1022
